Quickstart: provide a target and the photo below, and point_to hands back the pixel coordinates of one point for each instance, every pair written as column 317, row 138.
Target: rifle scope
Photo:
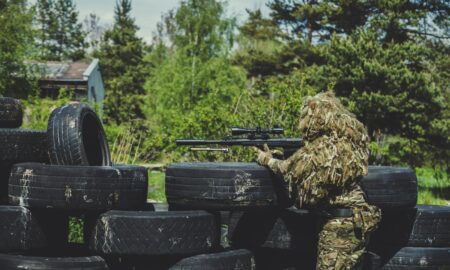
column 236, row 131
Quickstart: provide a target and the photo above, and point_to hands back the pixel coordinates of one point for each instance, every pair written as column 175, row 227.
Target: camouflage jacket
column 326, row 173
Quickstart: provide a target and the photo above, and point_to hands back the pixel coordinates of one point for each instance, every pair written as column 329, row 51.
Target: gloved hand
column 263, row 156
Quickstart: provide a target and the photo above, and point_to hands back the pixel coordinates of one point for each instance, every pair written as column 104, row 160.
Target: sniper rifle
column 248, row 137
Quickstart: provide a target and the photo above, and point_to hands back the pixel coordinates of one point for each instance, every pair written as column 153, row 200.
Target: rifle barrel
column 280, row 142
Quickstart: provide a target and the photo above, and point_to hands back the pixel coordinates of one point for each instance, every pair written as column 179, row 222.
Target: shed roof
column 62, row 71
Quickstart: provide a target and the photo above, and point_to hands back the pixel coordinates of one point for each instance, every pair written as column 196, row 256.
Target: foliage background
column 387, row 60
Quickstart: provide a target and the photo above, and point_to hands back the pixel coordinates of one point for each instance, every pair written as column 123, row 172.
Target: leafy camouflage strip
column 323, row 169
column 365, row 216
column 324, row 114
column 340, row 246
column 334, row 158
column 326, row 173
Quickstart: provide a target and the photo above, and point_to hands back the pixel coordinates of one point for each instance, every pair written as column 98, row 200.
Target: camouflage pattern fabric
column 340, row 245
column 326, row 173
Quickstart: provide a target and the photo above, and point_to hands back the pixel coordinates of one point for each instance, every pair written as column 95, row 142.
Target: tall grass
column 126, row 147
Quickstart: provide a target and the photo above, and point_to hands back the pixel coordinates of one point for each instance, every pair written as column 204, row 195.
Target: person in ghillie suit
column 326, row 173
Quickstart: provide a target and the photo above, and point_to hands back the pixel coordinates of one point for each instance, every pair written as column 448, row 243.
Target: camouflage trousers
column 342, row 241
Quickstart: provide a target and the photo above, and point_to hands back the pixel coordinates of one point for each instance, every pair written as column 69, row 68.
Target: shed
column 83, row 78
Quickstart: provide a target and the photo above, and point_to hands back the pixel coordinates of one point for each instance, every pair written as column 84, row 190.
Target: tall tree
column 200, row 28
column 122, row 60
column 195, row 90
column 259, row 45
column 394, row 89
column 61, row 34
column 200, row 31
column 396, row 20
column 15, row 40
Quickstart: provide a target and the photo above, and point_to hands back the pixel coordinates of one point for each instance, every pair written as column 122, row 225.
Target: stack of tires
column 409, row 236
column 257, row 215
column 49, row 176
column 66, row 171
column 220, row 215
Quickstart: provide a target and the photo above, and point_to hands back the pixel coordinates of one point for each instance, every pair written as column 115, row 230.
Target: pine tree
column 61, row 35
column 121, row 58
column 259, row 45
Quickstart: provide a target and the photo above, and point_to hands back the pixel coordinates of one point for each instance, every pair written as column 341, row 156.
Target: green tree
column 259, row 46
column 300, row 19
column 16, row 39
column 393, row 89
column 123, row 68
column 395, row 20
column 61, row 34
column 193, row 92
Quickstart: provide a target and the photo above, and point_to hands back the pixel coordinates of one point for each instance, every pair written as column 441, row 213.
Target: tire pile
column 258, row 216
column 220, row 215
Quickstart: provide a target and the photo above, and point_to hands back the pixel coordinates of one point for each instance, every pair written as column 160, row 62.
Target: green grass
column 156, row 188
column 434, row 187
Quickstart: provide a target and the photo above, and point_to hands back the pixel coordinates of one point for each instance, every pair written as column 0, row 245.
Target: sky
column 148, row 12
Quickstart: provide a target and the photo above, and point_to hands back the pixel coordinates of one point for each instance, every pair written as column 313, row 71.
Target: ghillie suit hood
column 324, row 115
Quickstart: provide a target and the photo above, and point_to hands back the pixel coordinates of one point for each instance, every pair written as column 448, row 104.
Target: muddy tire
column 371, row 261
column 275, row 228
column 18, row 145
column 76, row 137
column 11, row 113
column 154, row 233
column 13, row 262
column 235, row 259
column 42, row 186
column 415, row 258
column 5, row 170
column 390, row 187
column 282, row 259
column 223, row 186
column 422, row 226
column 19, row 230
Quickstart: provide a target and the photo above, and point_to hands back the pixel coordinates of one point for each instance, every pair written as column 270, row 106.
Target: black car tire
column 234, row 259
column 19, row 230
column 11, row 113
column 154, row 233
column 416, row 258
column 38, row 185
column 18, row 145
column 422, row 226
column 76, row 137
column 390, row 187
column 13, row 262
column 275, row 228
column 282, row 259
column 223, row 186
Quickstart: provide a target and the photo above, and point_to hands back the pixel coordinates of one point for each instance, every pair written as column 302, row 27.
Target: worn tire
column 223, row 186
column 235, row 259
column 390, row 187
column 76, row 137
column 422, row 226
column 19, row 230
column 5, row 170
column 11, row 113
column 37, row 185
column 154, row 233
column 416, row 258
column 13, row 262
column 371, row 261
column 282, row 259
column 18, row 145
column 274, row 228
